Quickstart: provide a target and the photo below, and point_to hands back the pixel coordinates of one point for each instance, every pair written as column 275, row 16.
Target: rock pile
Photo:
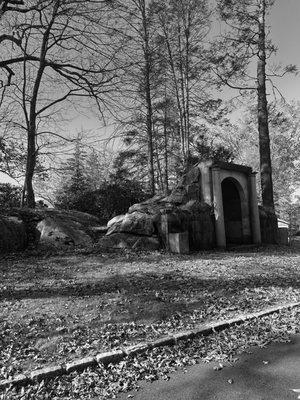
column 146, row 225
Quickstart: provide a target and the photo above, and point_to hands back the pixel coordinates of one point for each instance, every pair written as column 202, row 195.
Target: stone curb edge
column 116, row 356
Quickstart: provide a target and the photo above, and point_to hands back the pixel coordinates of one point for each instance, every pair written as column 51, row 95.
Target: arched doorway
column 232, row 212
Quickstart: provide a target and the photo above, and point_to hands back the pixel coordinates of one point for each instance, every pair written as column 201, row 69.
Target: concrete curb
column 116, row 356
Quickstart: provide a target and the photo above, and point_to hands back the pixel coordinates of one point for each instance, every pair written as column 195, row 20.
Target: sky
column 285, row 33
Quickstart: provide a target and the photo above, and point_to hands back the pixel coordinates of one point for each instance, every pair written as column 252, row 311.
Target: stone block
column 111, row 357
column 136, row 349
column 17, row 380
column 179, row 242
column 46, row 373
column 165, row 341
column 184, row 335
column 82, row 363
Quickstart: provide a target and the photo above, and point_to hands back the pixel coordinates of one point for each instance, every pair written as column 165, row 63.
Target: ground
column 57, row 308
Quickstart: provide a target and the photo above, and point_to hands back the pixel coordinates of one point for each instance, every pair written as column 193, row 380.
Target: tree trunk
column 28, row 198
column 187, row 85
column 263, row 123
column 166, row 161
column 183, row 99
column 149, row 117
column 180, row 111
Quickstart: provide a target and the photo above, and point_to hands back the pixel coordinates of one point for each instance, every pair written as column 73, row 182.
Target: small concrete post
column 218, row 208
column 165, row 230
column 255, row 223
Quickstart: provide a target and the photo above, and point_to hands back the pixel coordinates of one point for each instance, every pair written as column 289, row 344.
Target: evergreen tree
column 76, row 183
column 246, row 40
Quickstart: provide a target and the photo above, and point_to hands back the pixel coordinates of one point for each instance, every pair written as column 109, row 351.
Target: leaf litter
column 61, row 308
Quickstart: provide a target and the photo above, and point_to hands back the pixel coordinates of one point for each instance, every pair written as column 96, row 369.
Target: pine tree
column 245, row 39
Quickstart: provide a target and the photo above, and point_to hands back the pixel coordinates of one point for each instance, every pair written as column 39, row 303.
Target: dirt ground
column 57, row 308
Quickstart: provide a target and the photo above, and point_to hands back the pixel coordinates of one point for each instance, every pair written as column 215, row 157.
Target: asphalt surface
column 265, row 374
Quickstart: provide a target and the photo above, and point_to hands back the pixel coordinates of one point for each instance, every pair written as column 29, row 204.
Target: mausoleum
column 231, row 191
column 213, row 205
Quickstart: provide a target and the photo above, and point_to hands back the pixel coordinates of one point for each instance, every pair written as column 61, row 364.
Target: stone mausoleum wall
column 148, row 224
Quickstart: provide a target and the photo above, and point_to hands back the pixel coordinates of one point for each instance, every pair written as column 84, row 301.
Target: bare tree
column 63, row 55
column 183, row 26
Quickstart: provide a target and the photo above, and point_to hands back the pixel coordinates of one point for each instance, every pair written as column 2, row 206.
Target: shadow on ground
column 160, row 282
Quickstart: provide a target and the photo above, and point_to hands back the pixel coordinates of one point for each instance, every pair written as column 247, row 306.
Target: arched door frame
column 243, row 205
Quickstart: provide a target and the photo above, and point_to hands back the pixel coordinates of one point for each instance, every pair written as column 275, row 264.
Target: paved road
column 252, row 378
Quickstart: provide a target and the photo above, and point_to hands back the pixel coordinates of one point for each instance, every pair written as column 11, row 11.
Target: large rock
column 13, row 235
column 115, row 220
column 64, row 228
column 153, row 206
column 135, row 223
column 128, row 241
column 181, row 211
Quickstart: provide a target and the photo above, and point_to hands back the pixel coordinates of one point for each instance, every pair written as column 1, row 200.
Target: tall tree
column 245, row 40
column 135, row 26
column 285, row 141
column 183, row 28
column 167, row 80
column 262, row 108
column 64, row 53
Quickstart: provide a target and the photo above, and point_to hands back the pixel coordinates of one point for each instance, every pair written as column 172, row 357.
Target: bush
column 114, row 198
column 111, row 198
column 10, row 196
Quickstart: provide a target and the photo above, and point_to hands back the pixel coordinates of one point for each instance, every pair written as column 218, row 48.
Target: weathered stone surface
column 65, row 228
column 183, row 335
column 115, row 220
column 59, row 232
column 110, row 357
column 164, row 341
column 80, row 364
column 179, row 242
column 13, row 235
column 148, row 243
column 128, row 241
column 135, row 223
column 151, row 208
column 17, row 380
column 97, row 232
column 181, row 211
column 46, row 373
column 136, row 349
column 178, row 196
column 195, row 218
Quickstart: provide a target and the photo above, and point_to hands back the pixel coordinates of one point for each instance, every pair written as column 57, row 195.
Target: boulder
column 128, row 241
column 134, row 223
column 61, row 228
column 13, row 236
column 59, row 232
column 153, row 206
column 181, row 211
column 115, row 220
